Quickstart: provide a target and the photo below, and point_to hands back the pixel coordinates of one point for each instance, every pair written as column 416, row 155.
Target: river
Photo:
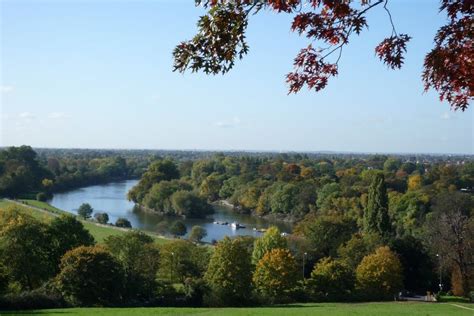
column 112, row 199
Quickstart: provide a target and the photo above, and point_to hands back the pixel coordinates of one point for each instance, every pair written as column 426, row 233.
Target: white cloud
column 6, row 89
column 226, row 124
column 58, row 115
column 27, row 115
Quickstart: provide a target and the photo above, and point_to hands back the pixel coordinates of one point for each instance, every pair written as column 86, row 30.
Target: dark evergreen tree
column 376, row 218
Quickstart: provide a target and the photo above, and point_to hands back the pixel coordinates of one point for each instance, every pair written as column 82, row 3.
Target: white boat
column 236, row 225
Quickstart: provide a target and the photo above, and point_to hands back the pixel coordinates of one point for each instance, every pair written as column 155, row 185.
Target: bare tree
column 451, row 232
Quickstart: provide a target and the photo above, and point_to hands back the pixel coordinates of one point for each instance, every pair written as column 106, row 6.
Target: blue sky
column 97, row 74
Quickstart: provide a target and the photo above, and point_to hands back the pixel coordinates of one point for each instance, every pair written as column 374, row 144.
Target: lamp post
column 440, row 272
column 304, row 261
column 172, row 267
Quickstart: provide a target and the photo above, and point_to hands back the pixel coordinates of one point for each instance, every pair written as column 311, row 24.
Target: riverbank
column 45, row 211
column 63, row 189
column 271, row 217
column 112, row 199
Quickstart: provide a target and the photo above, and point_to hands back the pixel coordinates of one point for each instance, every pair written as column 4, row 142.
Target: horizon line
column 270, row 151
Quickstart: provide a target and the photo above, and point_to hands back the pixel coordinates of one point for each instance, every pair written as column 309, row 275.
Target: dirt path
column 463, row 307
column 32, row 207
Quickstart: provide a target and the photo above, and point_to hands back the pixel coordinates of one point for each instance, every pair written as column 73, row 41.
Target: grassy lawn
column 98, row 231
column 44, row 206
column 4, row 203
column 338, row 309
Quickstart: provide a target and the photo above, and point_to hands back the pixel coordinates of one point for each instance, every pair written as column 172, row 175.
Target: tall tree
column 181, row 259
column 451, row 232
column 90, row 276
column 276, row 274
column 272, row 239
column 139, row 257
column 20, row 171
column 376, row 217
column 229, row 274
column 24, row 248
column 66, row 233
column 85, row 210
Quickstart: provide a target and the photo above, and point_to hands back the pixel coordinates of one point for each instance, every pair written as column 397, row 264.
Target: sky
column 98, row 74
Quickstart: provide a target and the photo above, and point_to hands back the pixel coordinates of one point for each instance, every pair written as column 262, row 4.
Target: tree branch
column 349, row 32
column 394, row 31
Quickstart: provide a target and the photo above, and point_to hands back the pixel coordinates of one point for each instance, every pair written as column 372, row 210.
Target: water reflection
column 111, row 198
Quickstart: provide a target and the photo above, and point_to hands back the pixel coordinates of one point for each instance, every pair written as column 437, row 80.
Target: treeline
column 58, row 264
column 23, row 172
column 294, row 187
column 161, row 190
column 334, row 255
column 344, row 208
column 366, row 228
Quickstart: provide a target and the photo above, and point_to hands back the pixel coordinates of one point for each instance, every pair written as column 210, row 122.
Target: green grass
column 44, row 206
column 331, row 309
column 99, row 232
column 4, row 204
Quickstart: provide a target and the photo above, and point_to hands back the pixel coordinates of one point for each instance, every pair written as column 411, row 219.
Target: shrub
column 42, row 197
column 379, row 275
column 123, row 222
column 36, row 299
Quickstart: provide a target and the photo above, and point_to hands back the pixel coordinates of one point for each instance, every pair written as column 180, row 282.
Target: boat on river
column 221, row 223
column 236, row 225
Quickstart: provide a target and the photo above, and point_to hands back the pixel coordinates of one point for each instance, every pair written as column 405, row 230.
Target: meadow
column 326, row 309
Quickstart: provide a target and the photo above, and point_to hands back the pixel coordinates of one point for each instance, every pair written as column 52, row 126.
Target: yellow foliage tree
column 272, row 239
column 379, row 275
column 414, row 182
column 275, row 275
column 456, row 282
